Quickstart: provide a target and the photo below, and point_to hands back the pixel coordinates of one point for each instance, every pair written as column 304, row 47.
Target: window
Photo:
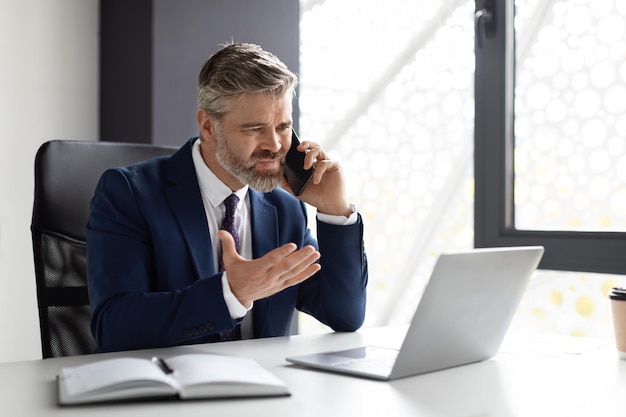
column 550, row 132
column 570, row 115
column 550, row 137
column 389, row 89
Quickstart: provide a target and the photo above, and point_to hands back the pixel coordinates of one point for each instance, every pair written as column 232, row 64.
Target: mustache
column 268, row 155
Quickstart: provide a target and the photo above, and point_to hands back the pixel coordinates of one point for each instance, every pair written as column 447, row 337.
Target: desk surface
column 531, row 376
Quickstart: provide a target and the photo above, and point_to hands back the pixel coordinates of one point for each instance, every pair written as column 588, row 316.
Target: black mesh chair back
column 66, row 173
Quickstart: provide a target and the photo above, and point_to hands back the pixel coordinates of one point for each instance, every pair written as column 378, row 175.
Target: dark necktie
column 229, row 225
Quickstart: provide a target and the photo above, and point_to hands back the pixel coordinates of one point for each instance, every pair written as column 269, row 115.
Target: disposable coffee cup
column 618, row 307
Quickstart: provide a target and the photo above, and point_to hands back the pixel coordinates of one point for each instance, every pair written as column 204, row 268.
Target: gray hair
column 238, row 69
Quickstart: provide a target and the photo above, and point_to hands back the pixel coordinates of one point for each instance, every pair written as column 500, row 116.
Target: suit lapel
column 265, row 238
column 264, row 224
column 183, row 194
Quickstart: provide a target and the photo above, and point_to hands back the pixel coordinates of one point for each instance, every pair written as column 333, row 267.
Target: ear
column 206, row 126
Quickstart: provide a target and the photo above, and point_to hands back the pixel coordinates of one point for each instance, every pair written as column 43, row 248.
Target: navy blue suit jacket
column 151, row 274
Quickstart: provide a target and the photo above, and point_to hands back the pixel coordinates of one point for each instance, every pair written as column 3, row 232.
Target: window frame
column 494, row 143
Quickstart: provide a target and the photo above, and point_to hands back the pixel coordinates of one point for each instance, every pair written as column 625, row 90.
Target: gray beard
column 246, row 171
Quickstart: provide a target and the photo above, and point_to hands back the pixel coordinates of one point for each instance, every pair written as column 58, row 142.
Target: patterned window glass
column 570, row 115
column 387, row 89
column 570, row 148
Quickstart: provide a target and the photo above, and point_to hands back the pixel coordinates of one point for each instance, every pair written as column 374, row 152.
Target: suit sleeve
column 336, row 296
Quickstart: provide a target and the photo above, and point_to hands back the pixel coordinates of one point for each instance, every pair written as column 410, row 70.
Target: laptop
column 465, row 310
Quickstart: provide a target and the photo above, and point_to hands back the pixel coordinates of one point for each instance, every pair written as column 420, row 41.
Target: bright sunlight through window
column 387, row 88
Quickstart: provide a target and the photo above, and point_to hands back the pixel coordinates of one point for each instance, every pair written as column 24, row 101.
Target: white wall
column 48, row 90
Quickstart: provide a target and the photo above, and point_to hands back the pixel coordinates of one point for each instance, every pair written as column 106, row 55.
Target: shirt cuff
column 339, row 220
column 235, row 308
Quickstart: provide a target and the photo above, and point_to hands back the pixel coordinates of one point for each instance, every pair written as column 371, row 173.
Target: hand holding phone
column 297, row 177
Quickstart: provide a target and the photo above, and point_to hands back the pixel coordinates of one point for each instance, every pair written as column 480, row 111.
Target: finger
column 312, row 157
column 321, row 167
column 307, row 145
column 302, row 276
column 306, row 264
column 276, row 255
column 229, row 250
column 296, row 262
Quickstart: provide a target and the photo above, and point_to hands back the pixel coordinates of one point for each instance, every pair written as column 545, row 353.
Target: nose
column 270, row 141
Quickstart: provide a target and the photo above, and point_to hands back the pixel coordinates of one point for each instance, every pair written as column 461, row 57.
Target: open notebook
column 462, row 317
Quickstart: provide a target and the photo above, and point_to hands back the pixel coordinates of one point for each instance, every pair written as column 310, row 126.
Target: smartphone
column 297, row 176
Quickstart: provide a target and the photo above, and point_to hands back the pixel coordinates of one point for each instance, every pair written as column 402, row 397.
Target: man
column 161, row 273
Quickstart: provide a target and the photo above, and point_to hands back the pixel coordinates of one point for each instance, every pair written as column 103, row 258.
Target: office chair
column 66, row 173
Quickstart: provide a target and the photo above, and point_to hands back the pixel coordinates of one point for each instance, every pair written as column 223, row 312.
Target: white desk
column 529, row 377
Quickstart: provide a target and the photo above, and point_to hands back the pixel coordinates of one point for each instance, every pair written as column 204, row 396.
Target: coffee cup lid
column 618, row 293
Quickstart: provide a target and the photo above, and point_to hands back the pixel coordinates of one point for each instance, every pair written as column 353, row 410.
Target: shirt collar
column 212, row 187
